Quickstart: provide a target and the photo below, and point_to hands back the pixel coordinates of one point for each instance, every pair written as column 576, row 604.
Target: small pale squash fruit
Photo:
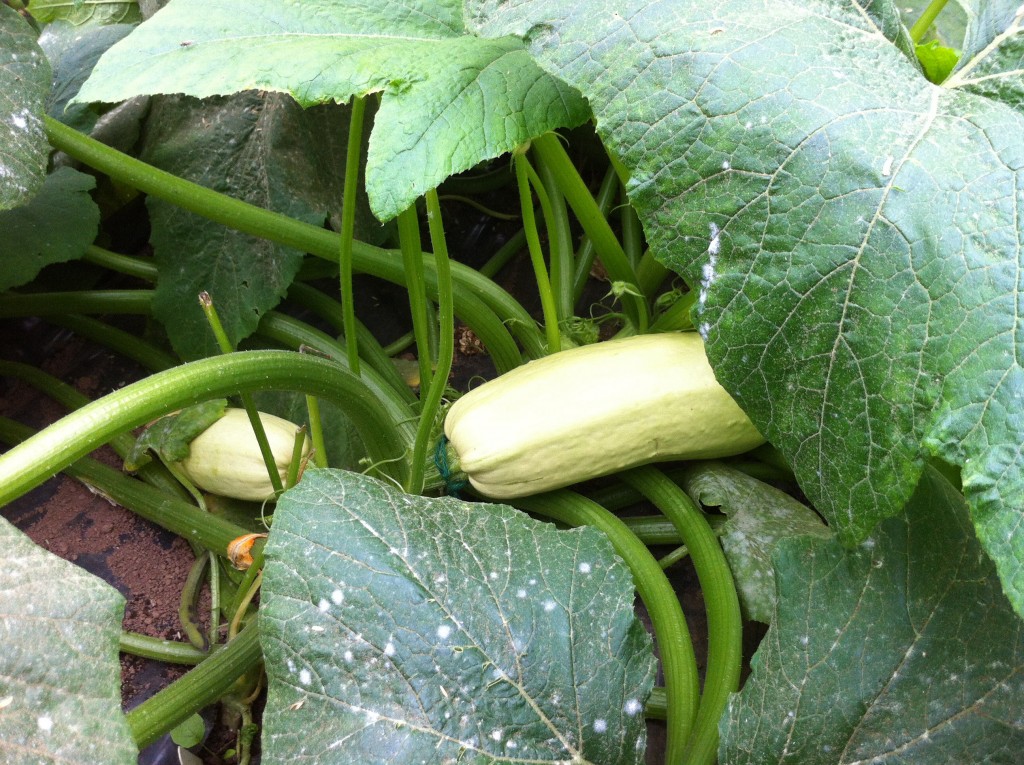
column 225, row 458
column 595, row 410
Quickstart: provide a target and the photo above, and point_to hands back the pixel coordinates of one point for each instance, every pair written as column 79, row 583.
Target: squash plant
column 848, row 236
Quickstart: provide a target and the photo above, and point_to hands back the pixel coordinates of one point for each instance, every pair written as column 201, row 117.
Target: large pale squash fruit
column 595, row 410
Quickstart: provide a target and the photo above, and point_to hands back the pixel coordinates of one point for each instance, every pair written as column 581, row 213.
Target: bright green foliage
column 262, row 148
column 853, row 232
column 60, row 680
column 449, row 99
column 936, row 60
column 30, row 238
column 80, row 12
column 24, row 81
column 760, row 516
column 170, row 436
column 902, row 650
column 405, row 629
column 992, row 63
column 72, row 52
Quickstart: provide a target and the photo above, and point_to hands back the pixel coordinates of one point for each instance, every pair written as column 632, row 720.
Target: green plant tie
column 453, row 483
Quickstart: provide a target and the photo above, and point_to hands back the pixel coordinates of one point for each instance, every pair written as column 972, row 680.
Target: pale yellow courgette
column 595, row 410
column 225, row 458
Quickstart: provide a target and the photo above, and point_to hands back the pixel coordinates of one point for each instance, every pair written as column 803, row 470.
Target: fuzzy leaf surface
column 24, row 82
column 262, row 148
column 403, row 629
column 80, row 12
column 902, row 650
column 450, row 99
column 60, row 680
column 853, row 231
column 759, row 518
column 992, row 63
column 31, row 238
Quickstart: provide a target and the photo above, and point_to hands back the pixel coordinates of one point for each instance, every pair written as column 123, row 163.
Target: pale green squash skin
column 596, row 410
column 225, row 458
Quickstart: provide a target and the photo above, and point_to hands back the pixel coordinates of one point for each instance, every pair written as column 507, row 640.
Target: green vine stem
column 170, row 512
column 608, row 247
column 446, row 346
column 348, row 227
column 585, row 255
column 670, row 630
column 409, row 239
column 562, row 257
column 279, row 228
column 540, row 273
column 926, row 19
column 75, row 435
column 122, row 264
column 196, row 689
column 725, row 623
column 117, row 340
column 158, row 649
column 190, row 600
column 213, row 319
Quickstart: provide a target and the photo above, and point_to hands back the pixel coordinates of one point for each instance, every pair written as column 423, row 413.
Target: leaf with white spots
column 759, row 517
column 403, row 629
column 903, row 650
column 24, row 83
column 864, row 303
column 60, row 680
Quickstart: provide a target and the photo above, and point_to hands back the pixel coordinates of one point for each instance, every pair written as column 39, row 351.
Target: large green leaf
column 759, row 518
column 450, row 100
column 853, row 230
column 56, row 226
column 24, row 82
column 992, row 63
column 262, row 148
column 403, row 629
column 902, row 650
column 86, row 11
column 60, row 680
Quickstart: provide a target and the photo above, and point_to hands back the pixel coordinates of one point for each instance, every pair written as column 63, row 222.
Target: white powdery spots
column 584, row 568
column 887, row 167
column 633, row 707
column 45, row 723
column 600, row 725
column 726, row 165
column 389, row 649
column 348, row 656
column 444, row 631
column 497, row 734
column 337, row 596
column 21, row 123
column 550, row 605
column 323, row 605
column 520, row 593
column 305, row 677
column 704, row 329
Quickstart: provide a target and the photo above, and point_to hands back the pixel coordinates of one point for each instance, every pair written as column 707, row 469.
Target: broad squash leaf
column 854, row 232
column 901, row 650
column 60, row 680
column 450, row 100
column 24, row 82
column 403, row 629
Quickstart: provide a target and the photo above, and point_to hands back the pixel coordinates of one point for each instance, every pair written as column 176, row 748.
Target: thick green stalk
column 158, row 649
column 670, row 630
column 925, row 20
column 561, row 258
column 282, row 229
column 446, row 346
column 585, row 255
column 409, row 238
column 608, row 247
column 540, row 272
column 75, row 435
column 123, row 343
column 348, row 227
column 122, row 264
column 725, row 624
column 167, row 511
column 92, row 301
column 195, row 690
